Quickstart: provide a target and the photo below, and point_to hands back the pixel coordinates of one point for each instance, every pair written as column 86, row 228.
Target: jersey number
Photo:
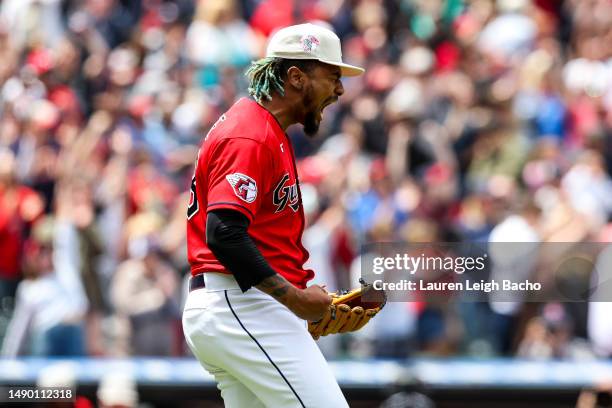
column 193, row 200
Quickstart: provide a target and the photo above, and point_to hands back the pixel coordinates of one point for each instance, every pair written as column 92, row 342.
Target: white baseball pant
column 259, row 352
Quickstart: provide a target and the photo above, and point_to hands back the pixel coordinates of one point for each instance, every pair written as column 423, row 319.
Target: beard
column 311, row 122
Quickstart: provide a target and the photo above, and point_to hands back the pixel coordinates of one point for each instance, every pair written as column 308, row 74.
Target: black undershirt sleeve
column 229, row 241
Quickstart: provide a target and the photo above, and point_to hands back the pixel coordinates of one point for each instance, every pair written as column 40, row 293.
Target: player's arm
column 309, row 304
column 229, row 241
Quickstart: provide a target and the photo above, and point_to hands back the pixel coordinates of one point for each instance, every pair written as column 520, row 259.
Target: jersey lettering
column 246, row 165
column 221, row 119
column 284, row 195
column 193, row 207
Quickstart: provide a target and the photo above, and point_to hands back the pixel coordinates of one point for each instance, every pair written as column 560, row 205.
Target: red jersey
column 12, row 225
column 246, row 164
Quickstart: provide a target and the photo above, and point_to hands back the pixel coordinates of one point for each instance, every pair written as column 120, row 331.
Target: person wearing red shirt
column 245, row 316
column 20, row 206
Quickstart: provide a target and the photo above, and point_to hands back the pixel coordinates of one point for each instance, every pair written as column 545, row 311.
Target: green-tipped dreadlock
column 265, row 77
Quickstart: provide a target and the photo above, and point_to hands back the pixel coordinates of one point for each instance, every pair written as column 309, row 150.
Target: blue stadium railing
column 444, row 373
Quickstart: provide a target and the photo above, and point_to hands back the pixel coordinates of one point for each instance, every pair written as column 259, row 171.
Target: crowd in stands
column 476, row 121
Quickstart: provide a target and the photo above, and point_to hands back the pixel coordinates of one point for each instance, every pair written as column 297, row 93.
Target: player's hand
column 311, row 303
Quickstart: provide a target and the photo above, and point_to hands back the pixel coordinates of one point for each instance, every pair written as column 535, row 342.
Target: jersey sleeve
column 239, row 176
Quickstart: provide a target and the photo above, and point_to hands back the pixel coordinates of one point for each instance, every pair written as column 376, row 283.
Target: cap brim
column 346, row 69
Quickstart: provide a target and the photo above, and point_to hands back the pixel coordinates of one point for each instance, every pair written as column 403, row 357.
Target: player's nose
column 339, row 89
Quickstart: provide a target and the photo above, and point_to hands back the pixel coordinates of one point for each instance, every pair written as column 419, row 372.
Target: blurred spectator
column 599, row 396
column 217, row 38
column 144, row 290
column 117, row 390
column 599, row 325
column 408, row 400
column 551, row 336
column 19, row 207
column 589, row 188
column 51, row 304
column 33, row 21
column 513, row 249
column 62, row 375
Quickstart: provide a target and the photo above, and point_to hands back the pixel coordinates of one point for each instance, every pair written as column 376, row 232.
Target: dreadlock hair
column 268, row 75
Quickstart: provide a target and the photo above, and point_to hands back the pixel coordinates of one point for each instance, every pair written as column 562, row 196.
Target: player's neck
column 282, row 110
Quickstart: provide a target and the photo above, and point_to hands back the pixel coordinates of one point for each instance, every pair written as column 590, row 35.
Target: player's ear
column 296, row 77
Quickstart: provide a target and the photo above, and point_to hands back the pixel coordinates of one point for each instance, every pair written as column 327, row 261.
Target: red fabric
column 271, row 15
column 151, row 19
column 447, row 56
column 553, row 7
column 63, row 97
column 584, row 120
column 40, row 60
column 246, row 164
column 82, row 402
column 344, row 251
column 11, row 230
column 438, row 173
column 313, row 169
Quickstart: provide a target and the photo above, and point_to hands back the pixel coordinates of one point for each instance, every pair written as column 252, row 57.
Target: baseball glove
column 348, row 311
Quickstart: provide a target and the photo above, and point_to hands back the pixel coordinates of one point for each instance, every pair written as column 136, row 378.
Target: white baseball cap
column 310, row 41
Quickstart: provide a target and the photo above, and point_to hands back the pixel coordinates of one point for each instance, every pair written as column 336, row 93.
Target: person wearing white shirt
column 51, row 304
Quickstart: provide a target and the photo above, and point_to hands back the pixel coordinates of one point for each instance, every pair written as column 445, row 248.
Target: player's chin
column 311, row 123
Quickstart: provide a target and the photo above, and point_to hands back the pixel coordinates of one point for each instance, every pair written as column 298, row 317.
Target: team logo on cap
column 244, row 186
column 309, row 43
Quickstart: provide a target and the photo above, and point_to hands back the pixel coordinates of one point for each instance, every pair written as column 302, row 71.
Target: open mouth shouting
column 325, row 105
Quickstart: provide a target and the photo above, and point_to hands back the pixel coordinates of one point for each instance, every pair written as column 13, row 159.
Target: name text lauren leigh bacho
column 467, row 285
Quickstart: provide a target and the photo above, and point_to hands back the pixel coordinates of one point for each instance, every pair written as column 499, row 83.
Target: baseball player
column 245, row 318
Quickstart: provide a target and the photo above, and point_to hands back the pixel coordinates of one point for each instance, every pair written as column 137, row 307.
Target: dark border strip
column 208, row 208
column 262, row 349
